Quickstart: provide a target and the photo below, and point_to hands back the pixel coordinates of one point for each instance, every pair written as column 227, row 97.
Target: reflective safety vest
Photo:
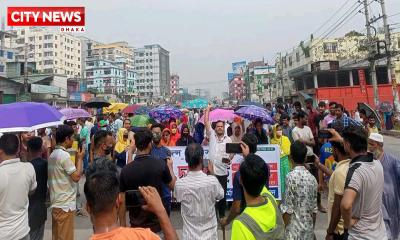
column 276, row 233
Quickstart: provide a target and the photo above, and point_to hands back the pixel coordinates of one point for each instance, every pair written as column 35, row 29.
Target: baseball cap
column 376, row 137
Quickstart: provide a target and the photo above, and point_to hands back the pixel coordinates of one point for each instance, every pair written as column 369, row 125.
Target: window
column 40, row 37
column 48, row 37
column 47, row 54
column 55, row 62
column 79, row 51
column 55, row 54
column 10, row 55
column 40, row 63
column 79, row 58
column 79, row 66
column 31, row 39
column 297, row 57
column 40, row 55
column 55, row 45
column 55, row 37
column 23, row 32
column 1, row 68
column 79, row 44
column 107, row 72
column 48, row 62
column 290, row 61
column 330, row 47
column 48, row 45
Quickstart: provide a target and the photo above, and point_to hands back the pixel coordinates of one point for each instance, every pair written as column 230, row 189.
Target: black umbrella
column 370, row 112
column 97, row 103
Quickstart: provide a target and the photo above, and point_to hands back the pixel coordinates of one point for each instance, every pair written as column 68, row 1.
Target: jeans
column 221, row 205
column 37, row 234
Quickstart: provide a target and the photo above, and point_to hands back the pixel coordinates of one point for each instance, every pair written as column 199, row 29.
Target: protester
column 144, row 170
column 218, row 156
column 237, row 133
column 198, row 134
column 261, row 219
column 337, row 180
column 185, row 138
column 286, row 129
column 303, row 133
column 342, row 121
column 361, row 206
column 327, row 159
column 122, row 141
column 103, row 202
column 260, row 132
column 175, row 135
column 197, row 193
column 17, row 181
column 37, row 210
column 284, row 145
column 297, row 107
column 103, row 145
column 63, row 175
column 23, row 149
column 74, row 148
column 372, row 128
column 118, row 123
column 161, row 153
column 46, row 148
column 312, row 117
column 299, row 206
column 166, row 138
column 84, row 136
column 248, row 145
column 331, row 116
column 391, row 191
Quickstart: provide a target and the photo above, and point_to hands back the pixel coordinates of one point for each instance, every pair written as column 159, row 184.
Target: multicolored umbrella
column 196, row 103
column 165, row 112
column 140, row 120
column 97, row 103
column 142, row 110
column 130, row 108
column 28, row 116
column 220, row 114
column 74, row 113
column 253, row 112
column 115, row 108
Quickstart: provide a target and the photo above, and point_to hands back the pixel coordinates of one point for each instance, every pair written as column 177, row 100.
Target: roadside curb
column 391, row 133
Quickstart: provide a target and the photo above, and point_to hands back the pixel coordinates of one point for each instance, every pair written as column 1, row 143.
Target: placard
column 269, row 153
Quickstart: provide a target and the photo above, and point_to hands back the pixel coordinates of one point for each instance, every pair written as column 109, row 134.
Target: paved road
column 83, row 227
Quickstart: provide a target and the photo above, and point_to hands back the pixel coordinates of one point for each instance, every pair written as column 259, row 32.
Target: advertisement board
column 269, row 153
column 239, row 67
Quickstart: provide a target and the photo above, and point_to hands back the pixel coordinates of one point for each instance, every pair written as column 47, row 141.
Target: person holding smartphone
column 218, row 156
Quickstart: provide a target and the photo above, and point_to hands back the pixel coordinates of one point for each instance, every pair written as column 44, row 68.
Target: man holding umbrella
column 218, row 155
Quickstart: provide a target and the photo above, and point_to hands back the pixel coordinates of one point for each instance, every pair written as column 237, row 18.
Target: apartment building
column 54, row 52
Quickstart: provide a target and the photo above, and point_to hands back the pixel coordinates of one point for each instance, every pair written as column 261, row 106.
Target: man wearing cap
column 391, row 191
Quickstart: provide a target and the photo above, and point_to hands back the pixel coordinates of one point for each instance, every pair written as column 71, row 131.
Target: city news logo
column 69, row 19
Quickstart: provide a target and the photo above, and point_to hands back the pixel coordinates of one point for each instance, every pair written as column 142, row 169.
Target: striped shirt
column 62, row 188
column 197, row 193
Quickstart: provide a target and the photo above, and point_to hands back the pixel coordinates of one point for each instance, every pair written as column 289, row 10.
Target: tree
column 353, row 34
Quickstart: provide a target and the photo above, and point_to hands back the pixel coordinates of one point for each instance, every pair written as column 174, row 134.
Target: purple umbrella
column 74, row 113
column 253, row 112
column 164, row 113
column 28, row 116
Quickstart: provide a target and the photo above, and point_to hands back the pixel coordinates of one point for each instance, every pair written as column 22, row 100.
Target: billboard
column 264, row 70
column 239, row 67
column 231, row 76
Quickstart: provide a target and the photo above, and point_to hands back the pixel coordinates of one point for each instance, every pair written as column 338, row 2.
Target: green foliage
column 353, row 34
column 306, row 50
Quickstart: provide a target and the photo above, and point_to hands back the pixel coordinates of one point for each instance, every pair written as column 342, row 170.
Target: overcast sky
column 205, row 36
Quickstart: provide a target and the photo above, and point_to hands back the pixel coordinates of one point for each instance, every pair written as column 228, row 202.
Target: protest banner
column 269, row 153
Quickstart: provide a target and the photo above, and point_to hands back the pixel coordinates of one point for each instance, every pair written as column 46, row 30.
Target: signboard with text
column 362, row 80
column 269, row 153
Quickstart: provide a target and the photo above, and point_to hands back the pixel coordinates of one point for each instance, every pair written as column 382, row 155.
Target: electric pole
column 371, row 54
column 391, row 72
column 26, row 68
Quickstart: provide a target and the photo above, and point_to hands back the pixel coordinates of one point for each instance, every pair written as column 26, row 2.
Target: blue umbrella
column 250, row 103
column 28, row 116
column 253, row 112
column 164, row 113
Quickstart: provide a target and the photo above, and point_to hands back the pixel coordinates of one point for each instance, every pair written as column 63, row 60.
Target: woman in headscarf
column 237, row 133
column 166, row 138
column 198, row 134
column 284, row 144
column 185, row 139
column 122, row 140
column 175, row 135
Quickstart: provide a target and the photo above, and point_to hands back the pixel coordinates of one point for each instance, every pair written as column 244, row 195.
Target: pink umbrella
column 220, row 114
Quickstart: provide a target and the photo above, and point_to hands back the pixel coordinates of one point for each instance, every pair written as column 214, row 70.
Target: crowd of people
column 127, row 169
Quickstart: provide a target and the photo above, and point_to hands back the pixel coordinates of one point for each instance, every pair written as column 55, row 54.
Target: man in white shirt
column 17, row 180
column 197, row 193
column 303, row 133
column 218, row 156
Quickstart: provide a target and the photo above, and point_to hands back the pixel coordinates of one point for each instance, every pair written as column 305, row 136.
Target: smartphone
column 133, row 199
column 233, row 148
column 324, row 134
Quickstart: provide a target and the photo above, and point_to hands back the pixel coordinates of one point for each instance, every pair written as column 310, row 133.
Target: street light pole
column 390, row 67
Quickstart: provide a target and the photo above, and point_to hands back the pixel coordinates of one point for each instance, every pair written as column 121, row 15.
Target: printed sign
column 269, row 153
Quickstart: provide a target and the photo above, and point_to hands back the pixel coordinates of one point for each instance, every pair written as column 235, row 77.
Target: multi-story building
column 54, row 52
column 331, row 69
column 174, row 87
column 153, row 73
column 107, row 77
column 6, row 52
column 86, row 49
column 237, row 88
column 114, row 52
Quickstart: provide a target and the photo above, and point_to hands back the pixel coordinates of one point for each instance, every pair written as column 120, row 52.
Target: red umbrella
column 130, row 108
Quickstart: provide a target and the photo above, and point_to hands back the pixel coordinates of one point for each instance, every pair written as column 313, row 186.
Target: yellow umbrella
column 115, row 107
